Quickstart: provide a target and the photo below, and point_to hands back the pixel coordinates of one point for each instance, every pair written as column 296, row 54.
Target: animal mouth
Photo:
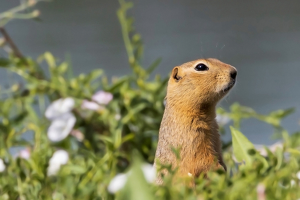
column 229, row 86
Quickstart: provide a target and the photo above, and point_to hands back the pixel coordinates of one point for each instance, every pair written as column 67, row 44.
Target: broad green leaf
column 241, row 146
column 137, row 187
column 293, row 151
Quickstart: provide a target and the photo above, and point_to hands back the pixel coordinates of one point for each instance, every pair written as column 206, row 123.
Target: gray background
column 260, row 38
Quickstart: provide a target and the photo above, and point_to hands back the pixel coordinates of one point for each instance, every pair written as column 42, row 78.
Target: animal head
column 200, row 83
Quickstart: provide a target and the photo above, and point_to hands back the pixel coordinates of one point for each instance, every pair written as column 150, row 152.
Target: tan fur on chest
column 189, row 118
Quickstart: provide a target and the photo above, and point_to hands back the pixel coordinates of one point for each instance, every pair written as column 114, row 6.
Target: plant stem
column 12, row 45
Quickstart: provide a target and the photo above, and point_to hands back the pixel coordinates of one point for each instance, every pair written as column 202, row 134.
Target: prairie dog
column 188, row 123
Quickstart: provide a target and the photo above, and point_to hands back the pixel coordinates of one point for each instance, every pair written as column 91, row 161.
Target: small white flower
column 298, row 175
column 59, row 158
column 102, row 97
column 59, row 107
column 24, row 153
column 61, row 127
column 149, row 172
column 276, row 145
column 90, row 105
column 293, row 183
column 117, row 117
column 261, row 148
column 260, row 189
column 2, row 165
column 222, row 120
column 117, row 183
column 78, row 135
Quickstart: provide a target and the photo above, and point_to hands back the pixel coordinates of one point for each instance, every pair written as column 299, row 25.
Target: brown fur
column 189, row 118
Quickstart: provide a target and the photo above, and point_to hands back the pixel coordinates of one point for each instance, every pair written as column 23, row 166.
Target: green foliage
column 121, row 136
column 241, row 146
column 24, row 11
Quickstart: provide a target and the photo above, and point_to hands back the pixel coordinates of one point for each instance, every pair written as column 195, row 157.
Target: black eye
column 201, row 67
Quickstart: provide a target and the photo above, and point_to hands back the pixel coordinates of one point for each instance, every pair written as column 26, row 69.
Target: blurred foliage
column 121, row 136
column 24, row 11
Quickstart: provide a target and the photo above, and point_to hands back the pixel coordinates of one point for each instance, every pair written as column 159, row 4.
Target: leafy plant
column 69, row 137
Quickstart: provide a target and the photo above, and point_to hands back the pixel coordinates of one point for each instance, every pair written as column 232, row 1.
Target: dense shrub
column 67, row 137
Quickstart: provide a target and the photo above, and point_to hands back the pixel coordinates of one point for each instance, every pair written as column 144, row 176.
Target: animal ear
column 175, row 74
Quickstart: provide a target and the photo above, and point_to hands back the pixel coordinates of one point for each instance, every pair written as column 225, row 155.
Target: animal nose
column 233, row 74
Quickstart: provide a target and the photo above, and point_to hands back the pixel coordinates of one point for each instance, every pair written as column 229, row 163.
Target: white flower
column 149, row 172
column 298, row 175
column 222, row 120
column 293, row 183
column 62, row 119
column 99, row 97
column 260, row 189
column 276, row 145
column 61, row 127
column 59, row 158
column 90, row 105
column 102, row 97
column 59, row 107
column 117, row 117
column 24, row 153
column 78, row 135
column 2, row 165
column 117, row 183
column 261, row 149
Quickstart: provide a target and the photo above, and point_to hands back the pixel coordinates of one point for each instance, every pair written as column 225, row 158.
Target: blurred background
column 260, row 38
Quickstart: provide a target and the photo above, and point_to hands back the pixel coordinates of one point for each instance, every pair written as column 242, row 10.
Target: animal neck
column 204, row 114
column 184, row 126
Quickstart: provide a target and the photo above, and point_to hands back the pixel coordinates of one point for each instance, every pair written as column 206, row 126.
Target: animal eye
column 201, row 67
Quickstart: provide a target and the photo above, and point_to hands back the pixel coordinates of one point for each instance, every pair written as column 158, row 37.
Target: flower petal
column 90, row 105
column 102, row 97
column 53, row 170
column 78, row 135
column 2, row 165
column 117, row 183
column 60, row 157
column 24, row 153
column 149, row 172
column 61, row 127
column 222, row 120
column 59, row 107
column 260, row 189
column 298, row 175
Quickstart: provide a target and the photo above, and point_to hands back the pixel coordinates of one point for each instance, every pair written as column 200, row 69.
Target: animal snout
column 233, row 74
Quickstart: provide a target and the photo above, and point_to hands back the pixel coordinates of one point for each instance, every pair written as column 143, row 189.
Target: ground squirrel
column 194, row 89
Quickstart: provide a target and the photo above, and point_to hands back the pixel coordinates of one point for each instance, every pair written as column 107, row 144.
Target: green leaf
column 280, row 114
column 127, row 137
column 241, row 146
column 293, row 151
column 72, row 169
column 279, row 153
column 136, row 187
column 50, row 59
